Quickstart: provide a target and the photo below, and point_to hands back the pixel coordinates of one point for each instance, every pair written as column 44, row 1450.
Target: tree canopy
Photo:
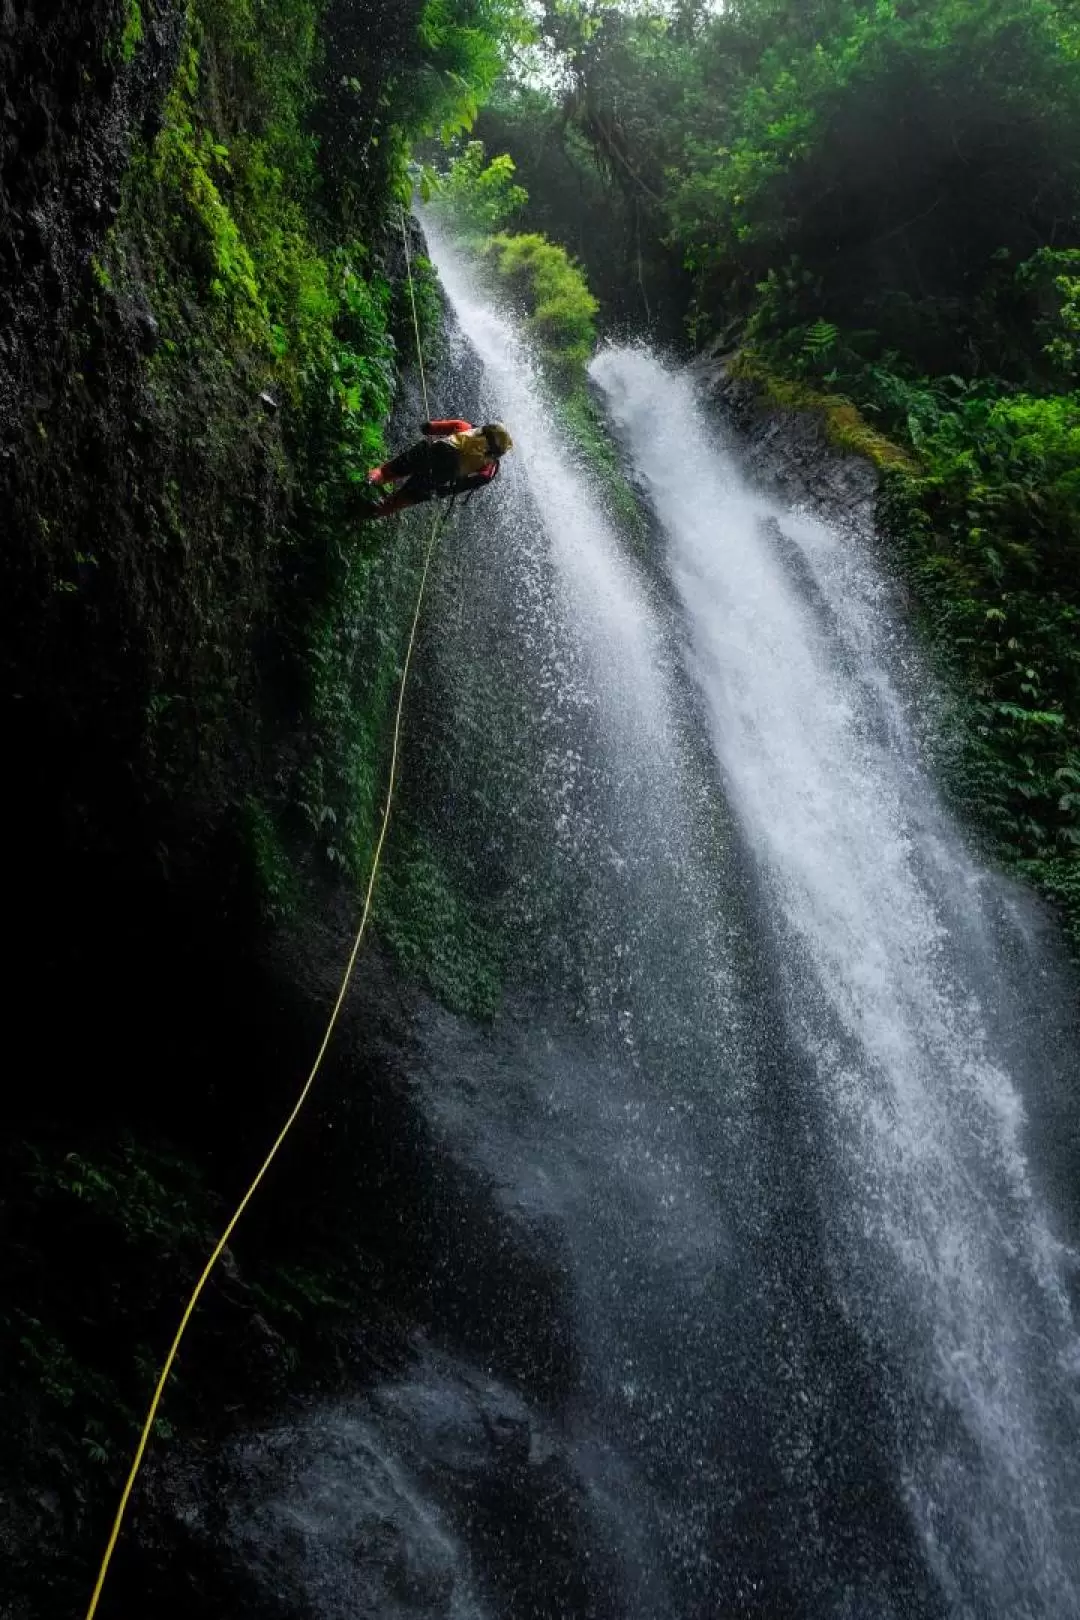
column 877, row 200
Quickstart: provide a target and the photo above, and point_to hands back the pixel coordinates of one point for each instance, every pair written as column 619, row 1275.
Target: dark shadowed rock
column 788, row 451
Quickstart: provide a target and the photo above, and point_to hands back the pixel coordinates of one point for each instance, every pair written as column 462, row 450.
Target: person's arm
column 449, row 424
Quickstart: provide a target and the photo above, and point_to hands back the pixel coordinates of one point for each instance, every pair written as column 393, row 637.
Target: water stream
column 749, row 1298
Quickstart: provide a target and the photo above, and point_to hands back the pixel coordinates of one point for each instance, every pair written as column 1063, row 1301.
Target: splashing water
column 882, row 921
column 743, row 1297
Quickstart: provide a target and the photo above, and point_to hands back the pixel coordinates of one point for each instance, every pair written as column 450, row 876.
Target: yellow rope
column 189, row 1310
column 415, row 316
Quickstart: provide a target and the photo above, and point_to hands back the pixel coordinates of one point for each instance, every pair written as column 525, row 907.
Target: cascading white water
column 603, row 599
column 596, row 655
column 741, row 1300
column 881, row 919
column 623, row 1118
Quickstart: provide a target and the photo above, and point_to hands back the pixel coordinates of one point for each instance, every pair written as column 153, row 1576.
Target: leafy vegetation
column 878, row 204
column 875, row 202
column 132, row 36
column 209, row 640
column 561, row 309
column 549, row 291
column 435, row 933
column 477, row 198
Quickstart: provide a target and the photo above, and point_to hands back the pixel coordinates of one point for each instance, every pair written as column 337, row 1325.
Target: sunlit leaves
column 477, row 196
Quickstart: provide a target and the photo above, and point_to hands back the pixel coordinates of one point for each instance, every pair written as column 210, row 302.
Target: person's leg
column 411, row 463
column 401, row 501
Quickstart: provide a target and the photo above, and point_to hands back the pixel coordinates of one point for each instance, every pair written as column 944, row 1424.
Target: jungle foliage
column 478, row 201
column 878, row 203
column 208, row 641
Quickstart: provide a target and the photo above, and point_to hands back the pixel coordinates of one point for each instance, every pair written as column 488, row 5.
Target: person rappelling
column 453, row 458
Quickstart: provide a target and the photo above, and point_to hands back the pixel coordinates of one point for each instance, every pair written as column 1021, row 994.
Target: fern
column 820, row 338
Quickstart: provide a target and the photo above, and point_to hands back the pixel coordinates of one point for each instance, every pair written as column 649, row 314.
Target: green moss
column 251, row 238
column 435, row 933
column 560, row 311
column 845, row 426
column 132, row 37
column 185, row 160
column 101, row 274
column 275, row 876
column 250, row 299
column 586, row 429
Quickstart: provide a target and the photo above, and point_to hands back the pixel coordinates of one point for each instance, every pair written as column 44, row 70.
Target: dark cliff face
column 174, row 519
column 178, row 532
column 126, row 1009
column 153, row 1034
column 71, row 107
column 788, row 451
column 91, row 596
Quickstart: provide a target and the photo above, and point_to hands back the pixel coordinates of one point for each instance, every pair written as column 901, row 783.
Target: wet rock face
column 443, row 1494
column 69, row 109
column 788, row 452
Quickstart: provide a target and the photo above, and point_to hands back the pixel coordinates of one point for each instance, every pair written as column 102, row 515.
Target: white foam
column 873, row 892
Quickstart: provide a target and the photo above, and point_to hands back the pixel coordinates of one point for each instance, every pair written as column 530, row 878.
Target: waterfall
column 884, row 927
column 747, row 1293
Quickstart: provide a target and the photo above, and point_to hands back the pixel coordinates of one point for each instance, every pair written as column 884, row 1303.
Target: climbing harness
column 441, row 519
